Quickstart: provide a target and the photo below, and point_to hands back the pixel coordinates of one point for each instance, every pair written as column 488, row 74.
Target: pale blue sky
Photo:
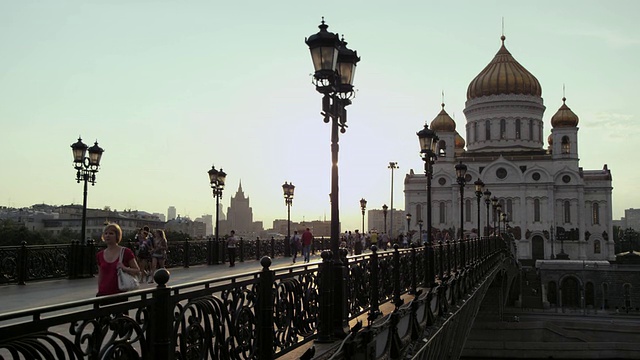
column 169, row 88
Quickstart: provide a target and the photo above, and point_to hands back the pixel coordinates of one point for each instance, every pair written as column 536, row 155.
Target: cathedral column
column 582, row 225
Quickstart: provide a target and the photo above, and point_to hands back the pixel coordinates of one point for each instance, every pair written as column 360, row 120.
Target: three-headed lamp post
column 363, row 207
column 461, row 172
column 86, row 169
column 334, row 66
column 287, row 189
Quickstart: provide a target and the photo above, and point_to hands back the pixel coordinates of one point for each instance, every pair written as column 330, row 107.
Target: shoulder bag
column 126, row 281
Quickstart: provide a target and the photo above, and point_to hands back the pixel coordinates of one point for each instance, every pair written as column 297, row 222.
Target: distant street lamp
column 479, row 186
column 288, row 200
column 487, row 201
column 363, row 206
column 494, row 207
column 408, row 226
column 420, row 222
column 385, row 209
column 461, row 171
column 392, row 165
column 86, row 169
column 499, row 216
column 216, row 180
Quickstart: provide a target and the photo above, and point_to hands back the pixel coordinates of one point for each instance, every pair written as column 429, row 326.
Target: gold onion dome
column 550, row 140
column 443, row 122
column 564, row 117
column 503, row 75
column 459, row 142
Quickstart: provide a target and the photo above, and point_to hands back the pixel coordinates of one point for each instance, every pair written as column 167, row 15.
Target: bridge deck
column 52, row 292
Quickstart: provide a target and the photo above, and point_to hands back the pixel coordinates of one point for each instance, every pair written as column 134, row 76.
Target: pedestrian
column 307, row 238
column 295, row 245
column 109, row 261
column 143, row 253
column 357, row 242
column 374, row 238
column 231, row 248
column 159, row 252
column 385, row 241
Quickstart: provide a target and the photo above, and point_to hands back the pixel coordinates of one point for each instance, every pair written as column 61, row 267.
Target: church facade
column 552, row 204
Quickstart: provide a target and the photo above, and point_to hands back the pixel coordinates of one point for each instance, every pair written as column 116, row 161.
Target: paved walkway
column 52, row 292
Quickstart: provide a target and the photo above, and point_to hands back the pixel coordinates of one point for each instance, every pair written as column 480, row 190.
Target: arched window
column 503, row 129
column 487, row 130
column 567, row 212
column 467, row 210
column 596, row 247
column 443, row 213
column 518, row 128
column 442, row 148
column 596, row 213
column 530, row 129
column 476, row 130
column 566, row 145
column 418, row 212
column 510, row 208
column 536, row 210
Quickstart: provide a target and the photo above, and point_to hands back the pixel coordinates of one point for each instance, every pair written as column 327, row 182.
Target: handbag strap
column 121, row 255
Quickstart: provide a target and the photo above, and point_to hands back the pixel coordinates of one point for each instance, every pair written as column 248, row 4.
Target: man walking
column 295, row 245
column 307, row 238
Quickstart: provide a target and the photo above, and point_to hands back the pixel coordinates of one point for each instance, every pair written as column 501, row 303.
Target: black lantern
column 363, row 207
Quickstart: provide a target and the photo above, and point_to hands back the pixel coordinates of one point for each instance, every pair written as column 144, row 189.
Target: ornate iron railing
column 20, row 264
column 263, row 314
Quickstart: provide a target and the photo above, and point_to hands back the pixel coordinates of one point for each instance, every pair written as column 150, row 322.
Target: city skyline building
column 171, row 213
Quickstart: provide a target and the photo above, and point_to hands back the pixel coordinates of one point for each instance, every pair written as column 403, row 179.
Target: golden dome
column 443, row 122
column 459, row 142
column 503, row 75
column 550, row 140
column 564, row 117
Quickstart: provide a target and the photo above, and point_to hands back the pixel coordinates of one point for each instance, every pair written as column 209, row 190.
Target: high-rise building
column 544, row 192
column 240, row 216
column 208, row 221
column 171, row 213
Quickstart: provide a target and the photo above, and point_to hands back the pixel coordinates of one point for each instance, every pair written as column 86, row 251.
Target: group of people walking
column 150, row 254
column 301, row 243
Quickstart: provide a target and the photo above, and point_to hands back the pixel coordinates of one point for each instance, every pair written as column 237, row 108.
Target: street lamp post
column 479, row 186
column 385, row 209
column 288, row 200
column 216, row 180
column 428, row 146
column 408, row 227
column 494, row 205
column 363, row 207
column 420, row 222
column 392, row 165
column 499, row 211
column 461, row 171
column 86, row 169
column 487, row 201
column 334, row 66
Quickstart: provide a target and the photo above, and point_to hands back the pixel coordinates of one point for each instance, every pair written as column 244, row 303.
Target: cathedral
column 554, row 208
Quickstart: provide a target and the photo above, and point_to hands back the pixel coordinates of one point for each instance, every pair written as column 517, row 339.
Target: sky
column 170, row 88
